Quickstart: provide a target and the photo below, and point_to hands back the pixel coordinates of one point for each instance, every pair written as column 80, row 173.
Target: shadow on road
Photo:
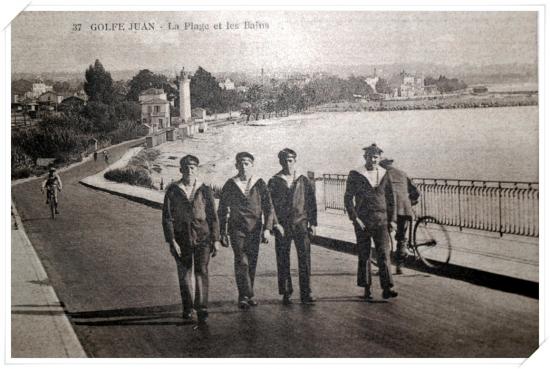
column 474, row 276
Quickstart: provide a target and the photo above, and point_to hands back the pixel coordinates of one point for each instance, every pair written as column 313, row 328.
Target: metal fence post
column 500, row 209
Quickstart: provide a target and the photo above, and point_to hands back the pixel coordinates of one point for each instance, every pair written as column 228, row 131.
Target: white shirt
column 374, row 176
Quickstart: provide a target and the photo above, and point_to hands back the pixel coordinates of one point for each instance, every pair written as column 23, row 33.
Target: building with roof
column 155, row 109
column 39, row 88
column 50, row 98
column 227, row 84
column 372, row 80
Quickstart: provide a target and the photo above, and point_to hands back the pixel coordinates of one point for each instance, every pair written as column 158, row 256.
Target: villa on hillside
column 155, row 109
column 407, row 84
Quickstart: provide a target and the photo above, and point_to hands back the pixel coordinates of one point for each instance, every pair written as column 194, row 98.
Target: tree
column 99, row 84
column 231, row 100
column 383, row 87
column 101, row 116
column 357, row 86
column 62, row 87
column 127, row 110
column 205, row 91
column 445, row 84
column 146, row 79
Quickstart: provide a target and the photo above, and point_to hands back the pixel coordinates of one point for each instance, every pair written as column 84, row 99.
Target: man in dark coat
column 191, row 229
column 295, row 206
column 406, row 196
column 245, row 198
column 369, row 203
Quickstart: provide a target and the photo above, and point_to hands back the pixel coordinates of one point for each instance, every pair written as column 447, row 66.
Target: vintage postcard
column 275, row 183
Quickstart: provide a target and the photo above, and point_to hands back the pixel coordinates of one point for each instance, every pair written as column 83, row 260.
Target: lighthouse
column 185, row 96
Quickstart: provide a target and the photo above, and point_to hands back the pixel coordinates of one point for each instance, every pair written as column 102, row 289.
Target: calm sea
column 481, row 144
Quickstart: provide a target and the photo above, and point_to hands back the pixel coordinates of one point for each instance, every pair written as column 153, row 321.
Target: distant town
column 65, row 118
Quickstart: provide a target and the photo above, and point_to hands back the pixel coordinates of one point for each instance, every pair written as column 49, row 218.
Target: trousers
column 199, row 256
column 246, row 247
column 303, row 249
column 401, row 238
column 381, row 239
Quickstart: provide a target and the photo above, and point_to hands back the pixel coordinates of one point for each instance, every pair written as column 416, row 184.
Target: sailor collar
column 362, row 170
column 251, row 182
column 198, row 183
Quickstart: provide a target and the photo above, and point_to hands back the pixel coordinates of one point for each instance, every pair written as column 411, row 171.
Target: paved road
column 107, row 261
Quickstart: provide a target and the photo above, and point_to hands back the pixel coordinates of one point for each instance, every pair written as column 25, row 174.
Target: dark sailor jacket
column 295, row 205
column 405, row 192
column 245, row 211
column 373, row 205
column 190, row 221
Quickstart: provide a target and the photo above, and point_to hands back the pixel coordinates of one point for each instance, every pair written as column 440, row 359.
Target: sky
column 46, row 41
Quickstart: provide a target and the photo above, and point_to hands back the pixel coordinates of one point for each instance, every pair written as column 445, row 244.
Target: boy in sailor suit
column 369, row 203
column 245, row 198
column 293, row 197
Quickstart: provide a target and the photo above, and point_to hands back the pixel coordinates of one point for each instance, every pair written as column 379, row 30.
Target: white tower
column 185, row 96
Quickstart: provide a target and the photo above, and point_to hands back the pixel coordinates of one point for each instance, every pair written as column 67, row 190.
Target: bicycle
column 428, row 241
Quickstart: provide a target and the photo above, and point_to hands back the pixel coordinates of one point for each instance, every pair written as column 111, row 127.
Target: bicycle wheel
column 432, row 242
column 52, row 207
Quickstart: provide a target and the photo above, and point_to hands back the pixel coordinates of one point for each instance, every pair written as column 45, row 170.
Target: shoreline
column 470, row 101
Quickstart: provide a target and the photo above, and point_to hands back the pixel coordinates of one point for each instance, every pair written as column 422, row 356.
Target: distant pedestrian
column 245, row 198
column 106, row 156
column 191, row 229
column 295, row 206
column 406, row 196
column 369, row 203
column 95, row 155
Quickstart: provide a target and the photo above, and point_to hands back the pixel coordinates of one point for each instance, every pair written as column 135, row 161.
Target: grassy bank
column 138, row 171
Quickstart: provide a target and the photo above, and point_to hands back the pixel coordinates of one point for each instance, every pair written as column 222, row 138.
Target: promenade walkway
column 106, row 258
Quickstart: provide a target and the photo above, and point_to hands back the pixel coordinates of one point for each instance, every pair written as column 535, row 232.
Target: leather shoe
column 386, row 294
column 202, row 316
column 287, row 300
column 398, row 270
column 187, row 315
column 308, row 300
column 367, row 295
column 243, row 304
column 252, row 302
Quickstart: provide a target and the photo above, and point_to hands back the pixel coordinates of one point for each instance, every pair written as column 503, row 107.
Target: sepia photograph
column 274, row 183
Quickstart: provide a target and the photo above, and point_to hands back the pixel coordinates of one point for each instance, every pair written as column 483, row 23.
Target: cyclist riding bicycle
column 52, row 184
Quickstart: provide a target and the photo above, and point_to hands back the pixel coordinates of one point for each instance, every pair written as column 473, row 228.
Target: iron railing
column 495, row 206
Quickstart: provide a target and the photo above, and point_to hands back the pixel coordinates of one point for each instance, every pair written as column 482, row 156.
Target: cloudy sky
column 45, row 41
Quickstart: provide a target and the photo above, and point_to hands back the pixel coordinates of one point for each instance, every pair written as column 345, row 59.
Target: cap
column 386, row 162
column 189, row 160
column 373, row 149
column 243, row 155
column 287, row 153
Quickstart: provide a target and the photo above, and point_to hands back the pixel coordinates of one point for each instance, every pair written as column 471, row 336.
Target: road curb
column 63, row 328
column 134, row 198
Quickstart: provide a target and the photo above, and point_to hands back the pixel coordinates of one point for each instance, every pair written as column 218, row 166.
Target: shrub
column 50, row 141
column 20, row 159
column 20, row 173
column 132, row 175
column 143, row 158
column 127, row 130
